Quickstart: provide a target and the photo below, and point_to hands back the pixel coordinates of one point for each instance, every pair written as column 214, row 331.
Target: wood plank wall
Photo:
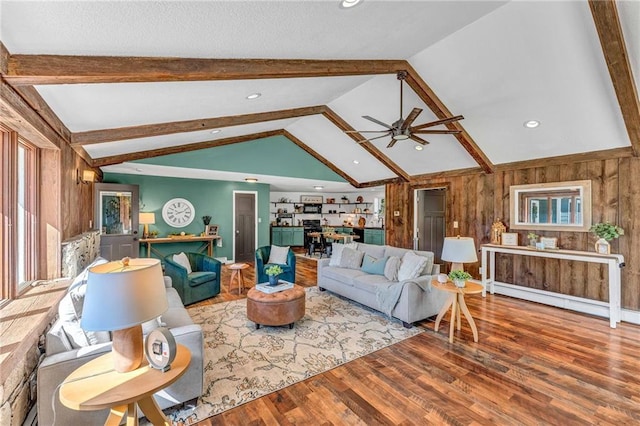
column 476, row 200
column 77, row 199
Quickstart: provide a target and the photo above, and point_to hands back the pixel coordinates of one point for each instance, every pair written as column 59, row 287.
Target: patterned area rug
column 242, row 363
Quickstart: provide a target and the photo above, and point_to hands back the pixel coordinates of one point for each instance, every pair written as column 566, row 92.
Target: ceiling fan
column 402, row 128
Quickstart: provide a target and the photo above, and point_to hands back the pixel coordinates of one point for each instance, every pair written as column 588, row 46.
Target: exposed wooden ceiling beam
column 123, row 133
column 380, row 182
column 18, row 114
column 60, row 69
column 320, row 158
column 40, row 106
column 368, row 146
column 606, row 154
column 139, row 155
column 441, row 111
column 605, row 16
column 4, row 59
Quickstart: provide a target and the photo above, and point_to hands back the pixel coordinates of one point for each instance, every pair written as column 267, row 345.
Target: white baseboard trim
column 579, row 304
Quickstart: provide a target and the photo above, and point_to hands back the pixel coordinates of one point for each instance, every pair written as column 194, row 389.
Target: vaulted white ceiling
column 498, row 64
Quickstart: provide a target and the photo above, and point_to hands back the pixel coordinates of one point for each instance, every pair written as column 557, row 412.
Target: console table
column 615, row 262
column 207, row 243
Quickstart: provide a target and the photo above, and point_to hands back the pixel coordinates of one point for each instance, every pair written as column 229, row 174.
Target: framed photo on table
column 509, row 238
column 211, row 230
column 549, row 242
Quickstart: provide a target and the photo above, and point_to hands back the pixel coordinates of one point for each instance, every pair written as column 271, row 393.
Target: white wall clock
column 178, row 212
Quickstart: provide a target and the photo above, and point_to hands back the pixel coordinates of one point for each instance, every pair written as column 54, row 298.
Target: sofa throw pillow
column 351, row 259
column 70, row 311
column 391, row 268
column 278, row 255
column 372, row 265
column 182, row 260
column 336, row 252
column 411, row 266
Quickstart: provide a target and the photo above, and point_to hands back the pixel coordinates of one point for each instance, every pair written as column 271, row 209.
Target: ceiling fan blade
column 377, row 122
column 435, row 132
column 377, row 137
column 392, row 143
column 366, row 131
column 419, row 140
column 438, row 122
column 411, row 118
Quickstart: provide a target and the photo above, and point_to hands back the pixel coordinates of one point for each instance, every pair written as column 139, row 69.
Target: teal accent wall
column 275, row 156
column 209, row 197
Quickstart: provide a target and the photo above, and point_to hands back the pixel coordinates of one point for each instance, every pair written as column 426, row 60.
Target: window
column 18, row 229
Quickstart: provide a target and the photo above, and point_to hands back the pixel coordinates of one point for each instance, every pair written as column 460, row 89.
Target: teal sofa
column 202, row 283
column 262, row 257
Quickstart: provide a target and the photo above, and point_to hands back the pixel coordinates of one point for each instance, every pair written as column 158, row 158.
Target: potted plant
column 533, row 239
column 273, row 272
column 605, row 231
column 459, row 278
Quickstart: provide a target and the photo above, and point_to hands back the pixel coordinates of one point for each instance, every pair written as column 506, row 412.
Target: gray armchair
column 202, row 283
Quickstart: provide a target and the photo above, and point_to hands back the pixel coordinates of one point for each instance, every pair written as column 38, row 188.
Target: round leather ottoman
column 281, row 308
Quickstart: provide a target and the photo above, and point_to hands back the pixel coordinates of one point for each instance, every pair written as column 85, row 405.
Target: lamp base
column 455, row 266
column 127, row 349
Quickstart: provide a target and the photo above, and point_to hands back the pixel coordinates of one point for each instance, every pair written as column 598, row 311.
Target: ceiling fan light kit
column 402, row 130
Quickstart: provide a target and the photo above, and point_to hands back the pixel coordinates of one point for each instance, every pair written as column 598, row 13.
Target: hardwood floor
column 533, row 365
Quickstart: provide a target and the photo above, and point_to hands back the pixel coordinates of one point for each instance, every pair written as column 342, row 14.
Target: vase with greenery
column 533, row 239
column 459, row 278
column 605, row 231
column 273, row 272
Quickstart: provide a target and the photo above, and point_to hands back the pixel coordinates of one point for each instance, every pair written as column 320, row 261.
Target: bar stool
column 236, row 274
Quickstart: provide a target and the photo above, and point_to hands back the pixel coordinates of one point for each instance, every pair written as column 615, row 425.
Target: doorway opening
column 430, row 220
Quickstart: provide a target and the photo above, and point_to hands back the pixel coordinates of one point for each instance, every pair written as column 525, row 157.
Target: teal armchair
column 202, row 283
column 262, row 257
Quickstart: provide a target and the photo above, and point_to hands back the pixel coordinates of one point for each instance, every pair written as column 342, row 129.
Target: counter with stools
column 274, row 309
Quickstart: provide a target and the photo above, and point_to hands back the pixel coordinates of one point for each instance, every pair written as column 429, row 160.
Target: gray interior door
column 245, row 232
column 116, row 216
column 431, row 220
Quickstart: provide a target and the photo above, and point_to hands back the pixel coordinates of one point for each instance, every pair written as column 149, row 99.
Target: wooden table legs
column 456, row 303
column 148, row 406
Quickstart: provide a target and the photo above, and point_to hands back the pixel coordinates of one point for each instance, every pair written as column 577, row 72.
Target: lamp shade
column 147, row 218
column 121, row 295
column 459, row 250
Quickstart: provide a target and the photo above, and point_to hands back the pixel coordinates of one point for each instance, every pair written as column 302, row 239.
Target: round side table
column 457, row 304
column 96, row 385
column 236, row 274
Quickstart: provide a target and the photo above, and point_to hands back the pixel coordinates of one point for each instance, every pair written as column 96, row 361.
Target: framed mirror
column 556, row 206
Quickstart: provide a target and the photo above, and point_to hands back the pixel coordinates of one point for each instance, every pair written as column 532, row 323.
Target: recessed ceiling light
column 531, row 124
column 356, row 162
column 346, row 4
column 251, row 179
column 214, row 131
column 318, row 187
column 254, row 96
column 418, row 147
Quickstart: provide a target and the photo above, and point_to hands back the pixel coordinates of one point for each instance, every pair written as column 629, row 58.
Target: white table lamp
column 459, row 250
column 120, row 296
column 146, row 219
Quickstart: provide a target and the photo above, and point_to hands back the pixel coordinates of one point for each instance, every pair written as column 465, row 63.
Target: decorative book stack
column 281, row 286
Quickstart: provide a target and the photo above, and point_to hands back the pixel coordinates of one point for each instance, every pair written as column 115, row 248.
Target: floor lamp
column 459, row 250
column 120, row 296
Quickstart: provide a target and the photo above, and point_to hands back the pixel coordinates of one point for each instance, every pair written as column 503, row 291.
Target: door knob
column 237, row 231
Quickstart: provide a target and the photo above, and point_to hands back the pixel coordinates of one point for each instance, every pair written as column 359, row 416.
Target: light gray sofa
column 68, row 347
column 416, row 298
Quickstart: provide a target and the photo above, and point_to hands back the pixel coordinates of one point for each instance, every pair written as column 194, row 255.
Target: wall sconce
column 87, row 177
